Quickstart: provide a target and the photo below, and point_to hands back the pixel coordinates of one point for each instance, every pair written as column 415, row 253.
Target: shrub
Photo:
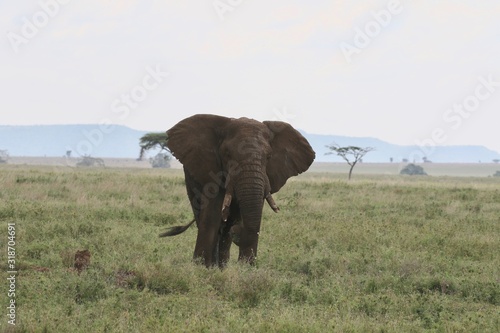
column 4, row 156
column 412, row 169
column 497, row 174
column 88, row 161
column 161, row 160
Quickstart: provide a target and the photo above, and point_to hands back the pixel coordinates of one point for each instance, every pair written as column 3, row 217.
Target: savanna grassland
column 377, row 254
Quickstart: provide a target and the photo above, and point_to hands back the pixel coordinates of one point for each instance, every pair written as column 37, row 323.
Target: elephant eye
column 269, row 156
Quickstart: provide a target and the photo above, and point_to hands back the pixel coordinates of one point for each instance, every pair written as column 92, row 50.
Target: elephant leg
column 207, row 241
column 225, row 244
column 206, row 249
column 194, row 190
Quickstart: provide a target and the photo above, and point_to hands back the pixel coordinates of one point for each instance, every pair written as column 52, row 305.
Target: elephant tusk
column 272, row 204
column 225, row 206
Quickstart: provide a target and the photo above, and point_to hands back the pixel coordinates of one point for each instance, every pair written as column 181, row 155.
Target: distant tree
column 68, row 153
column 151, row 141
column 426, row 160
column 404, row 160
column 161, row 160
column 4, row 156
column 496, row 160
column 88, row 161
column 391, row 159
column 497, row 174
column 351, row 154
column 412, row 169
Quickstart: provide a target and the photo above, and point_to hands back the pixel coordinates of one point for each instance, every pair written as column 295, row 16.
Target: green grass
column 378, row 254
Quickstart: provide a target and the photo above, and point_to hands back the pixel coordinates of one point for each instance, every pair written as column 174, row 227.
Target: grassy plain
column 382, row 253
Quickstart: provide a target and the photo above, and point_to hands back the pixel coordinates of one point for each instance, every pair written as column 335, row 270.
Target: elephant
column 231, row 166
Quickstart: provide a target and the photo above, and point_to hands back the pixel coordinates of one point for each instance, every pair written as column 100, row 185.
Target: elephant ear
column 194, row 142
column 291, row 154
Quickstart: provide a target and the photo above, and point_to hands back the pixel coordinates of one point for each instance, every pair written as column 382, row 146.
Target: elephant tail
column 176, row 230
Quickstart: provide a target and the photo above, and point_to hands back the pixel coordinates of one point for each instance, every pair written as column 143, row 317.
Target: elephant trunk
column 250, row 194
column 251, row 211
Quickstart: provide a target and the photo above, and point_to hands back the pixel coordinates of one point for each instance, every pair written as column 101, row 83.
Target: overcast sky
column 406, row 72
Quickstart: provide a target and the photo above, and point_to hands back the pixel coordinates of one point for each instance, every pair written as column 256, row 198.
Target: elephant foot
column 247, row 255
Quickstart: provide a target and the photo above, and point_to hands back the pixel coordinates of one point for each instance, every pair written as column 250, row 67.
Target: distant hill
column 384, row 151
column 123, row 142
column 55, row 140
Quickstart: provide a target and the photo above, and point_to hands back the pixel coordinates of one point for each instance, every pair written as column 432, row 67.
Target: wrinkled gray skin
column 231, row 166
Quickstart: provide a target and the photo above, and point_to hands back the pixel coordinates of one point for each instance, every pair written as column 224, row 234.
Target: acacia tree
column 351, row 154
column 152, row 140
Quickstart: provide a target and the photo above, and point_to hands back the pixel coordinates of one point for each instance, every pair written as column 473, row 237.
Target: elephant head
column 231, row 166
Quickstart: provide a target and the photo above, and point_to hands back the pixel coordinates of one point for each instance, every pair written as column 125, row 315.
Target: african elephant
column 230, row 167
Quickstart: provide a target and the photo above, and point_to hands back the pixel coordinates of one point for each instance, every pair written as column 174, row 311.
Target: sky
column 407, row 72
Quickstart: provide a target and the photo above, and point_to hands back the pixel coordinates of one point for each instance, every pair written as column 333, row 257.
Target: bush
column 4, row 156
column 88, row 161
column 412, row 169
column 161, row 160
column 497, row 174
